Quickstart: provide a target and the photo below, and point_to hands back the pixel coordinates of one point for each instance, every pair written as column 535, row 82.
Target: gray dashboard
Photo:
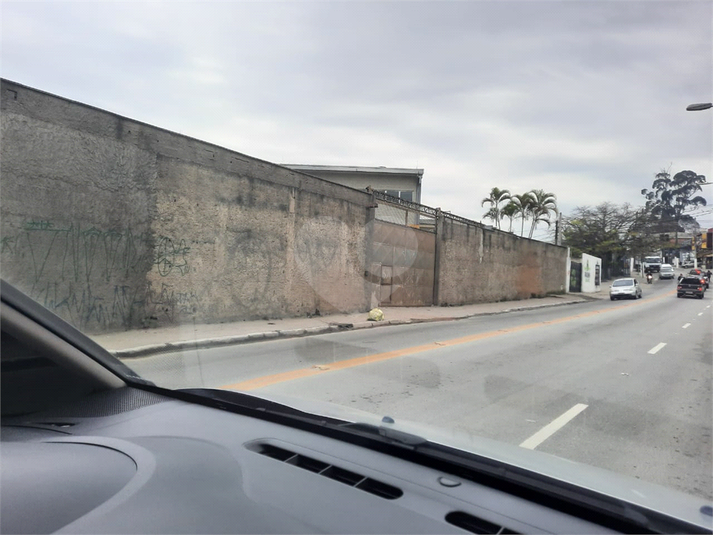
column 129, row 461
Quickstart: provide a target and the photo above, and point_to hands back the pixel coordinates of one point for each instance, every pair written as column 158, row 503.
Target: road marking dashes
column 657, row 348
column 552, row 427
column 687, row 325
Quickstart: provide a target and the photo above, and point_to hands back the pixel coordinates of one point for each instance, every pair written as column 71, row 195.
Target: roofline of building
column 352, row 169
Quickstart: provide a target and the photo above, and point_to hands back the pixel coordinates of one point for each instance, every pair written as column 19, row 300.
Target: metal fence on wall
column 402, row 212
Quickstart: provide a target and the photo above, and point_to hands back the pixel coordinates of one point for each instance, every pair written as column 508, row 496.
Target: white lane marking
column 657, row 348
column 687, row 325
column 700, row 313
column 552, row 427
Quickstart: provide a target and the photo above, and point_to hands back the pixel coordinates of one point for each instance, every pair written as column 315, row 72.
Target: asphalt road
column 622, row 385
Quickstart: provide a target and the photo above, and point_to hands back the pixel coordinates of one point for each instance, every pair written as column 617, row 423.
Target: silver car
column 667, row 272
column 628, row 288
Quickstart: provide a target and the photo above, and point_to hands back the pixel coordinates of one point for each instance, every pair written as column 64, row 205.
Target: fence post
column 437, row 257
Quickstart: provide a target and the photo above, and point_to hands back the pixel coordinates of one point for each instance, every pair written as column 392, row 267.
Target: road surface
column 622, row 385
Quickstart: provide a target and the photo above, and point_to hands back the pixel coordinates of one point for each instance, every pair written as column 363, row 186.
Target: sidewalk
column 189, row 336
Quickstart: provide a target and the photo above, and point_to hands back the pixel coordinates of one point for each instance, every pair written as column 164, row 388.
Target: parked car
column 667, row 272
column 627, row 288
column 691, row 286
column 687, row 264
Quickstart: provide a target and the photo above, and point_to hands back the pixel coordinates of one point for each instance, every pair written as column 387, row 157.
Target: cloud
column 585, row 99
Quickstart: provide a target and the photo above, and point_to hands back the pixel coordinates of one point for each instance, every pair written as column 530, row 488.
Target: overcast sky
column 583, row 99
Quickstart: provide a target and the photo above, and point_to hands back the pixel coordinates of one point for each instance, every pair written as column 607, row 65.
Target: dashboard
column 132, row 461
column 87, row 446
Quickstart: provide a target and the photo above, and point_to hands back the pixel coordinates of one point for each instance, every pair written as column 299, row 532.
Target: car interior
column 88, row 447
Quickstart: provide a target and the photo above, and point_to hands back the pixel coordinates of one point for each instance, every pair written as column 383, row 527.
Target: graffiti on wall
column 96, row 278
column 171, row 256
column 257, row 263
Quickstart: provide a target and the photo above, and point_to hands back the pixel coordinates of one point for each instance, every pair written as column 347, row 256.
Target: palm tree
column 523, row 203
column 496, row 197
column 510, row 211
column 543, row 204
column 493, row 214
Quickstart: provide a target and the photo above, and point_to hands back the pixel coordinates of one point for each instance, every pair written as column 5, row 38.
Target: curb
column 206, row 343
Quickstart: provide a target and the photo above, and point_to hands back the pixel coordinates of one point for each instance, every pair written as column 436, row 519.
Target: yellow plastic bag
column 375, row 314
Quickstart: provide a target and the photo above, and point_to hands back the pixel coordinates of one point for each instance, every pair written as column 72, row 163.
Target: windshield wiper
column 235, row 399
column 394, row 436
column 230, row 399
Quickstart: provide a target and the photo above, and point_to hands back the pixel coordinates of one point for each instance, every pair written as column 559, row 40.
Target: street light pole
column 699, row 107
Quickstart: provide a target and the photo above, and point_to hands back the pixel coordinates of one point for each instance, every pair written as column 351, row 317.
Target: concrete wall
column 591, row 273
column 116, row 224
column 402, row 265
column 480, row 265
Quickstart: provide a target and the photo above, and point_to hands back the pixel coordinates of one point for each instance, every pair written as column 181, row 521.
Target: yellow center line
column 268, row 380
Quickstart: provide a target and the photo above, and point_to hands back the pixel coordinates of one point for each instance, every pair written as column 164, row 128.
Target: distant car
column 627, row 288
column 697, row 272
column 691, row 286
column 687, row 264
column 652, row 264
column 667, row 272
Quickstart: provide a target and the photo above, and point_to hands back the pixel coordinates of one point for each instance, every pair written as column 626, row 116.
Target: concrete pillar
column 371, row 298
column 437, row 258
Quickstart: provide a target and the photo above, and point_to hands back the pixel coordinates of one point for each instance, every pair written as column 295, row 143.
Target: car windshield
column 624, row 282
column 381, row 207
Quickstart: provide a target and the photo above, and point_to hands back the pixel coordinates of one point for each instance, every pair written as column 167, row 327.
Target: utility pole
column 558, row 229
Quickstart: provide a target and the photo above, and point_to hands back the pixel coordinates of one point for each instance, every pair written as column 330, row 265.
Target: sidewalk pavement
column 144, row 342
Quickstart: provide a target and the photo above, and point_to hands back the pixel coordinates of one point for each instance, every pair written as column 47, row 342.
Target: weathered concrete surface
column 152, row 341
column 258, row 248
column 478, row 265
column 402, row 265
column 76, row 221
column 115, row 224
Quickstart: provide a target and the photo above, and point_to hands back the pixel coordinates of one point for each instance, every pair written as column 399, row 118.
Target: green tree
column 492, row 214
column 510, row 211
column 611, row 232
column 523, row 204
column 495, row 199
column 669, row 198
column 543, row 204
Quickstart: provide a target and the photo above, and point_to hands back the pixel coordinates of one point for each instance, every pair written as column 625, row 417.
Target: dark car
column 691, row 286
column 702, row 275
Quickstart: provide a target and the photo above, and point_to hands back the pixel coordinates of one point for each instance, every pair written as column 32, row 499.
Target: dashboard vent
column 347, row 477
column 474, row 524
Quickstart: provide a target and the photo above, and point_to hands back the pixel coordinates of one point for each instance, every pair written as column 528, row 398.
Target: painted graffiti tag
column 84, row 253
column 38, row 225
column 93, row 277
column 171, row 256
column 169, row 303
